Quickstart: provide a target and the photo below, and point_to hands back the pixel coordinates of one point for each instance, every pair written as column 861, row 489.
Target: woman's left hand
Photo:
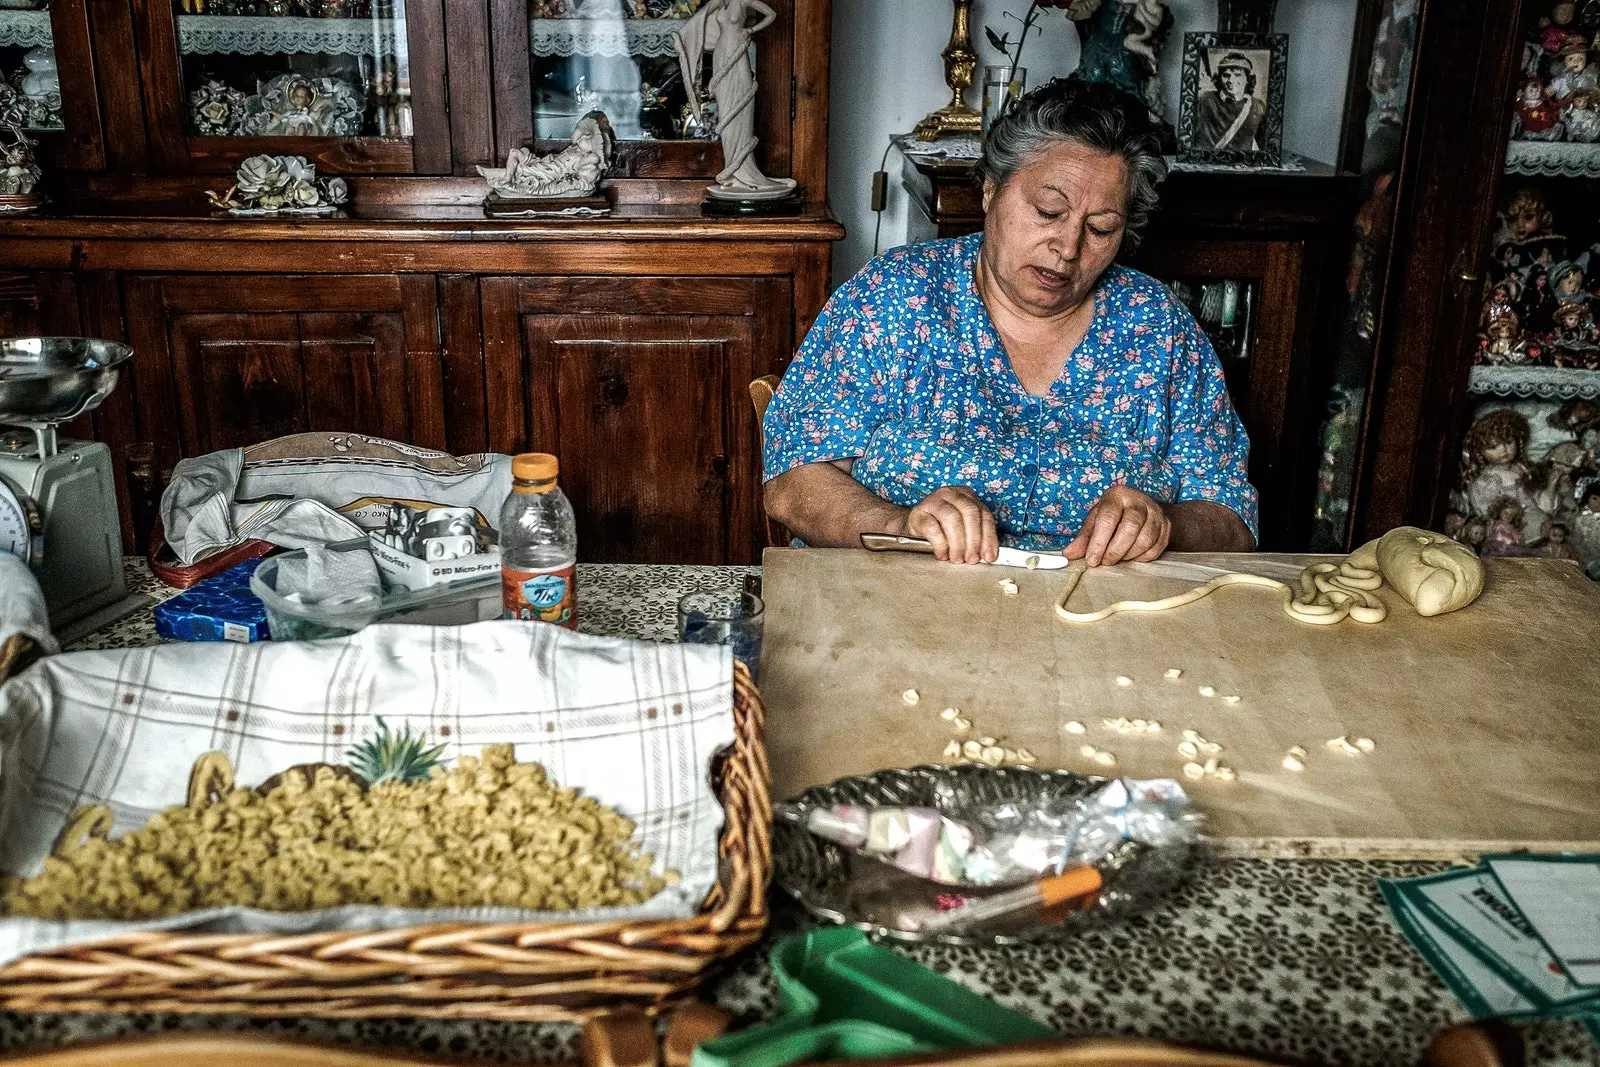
column 1124, row 524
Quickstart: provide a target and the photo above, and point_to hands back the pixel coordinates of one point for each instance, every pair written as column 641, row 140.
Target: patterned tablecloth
column 1293, row 960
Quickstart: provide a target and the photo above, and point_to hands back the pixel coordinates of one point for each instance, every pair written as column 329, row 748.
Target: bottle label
column 541, row 596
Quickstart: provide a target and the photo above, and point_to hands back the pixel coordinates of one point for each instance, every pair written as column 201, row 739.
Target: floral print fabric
column 904, row 371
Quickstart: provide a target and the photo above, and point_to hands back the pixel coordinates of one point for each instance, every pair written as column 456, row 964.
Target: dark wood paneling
column 638, row 421
column 471, row 112
column 423, row 373
column 160, row 78
column 461, row 336
column 639, row 384
column 81, row 147
column 282, row 292
column 511, row 56
column 239, row 378
column 430, row 120
column 357, row 371
column 116, row 420
column 809, row 157
column 155, row 392
column 332, row 155
column 118, row 81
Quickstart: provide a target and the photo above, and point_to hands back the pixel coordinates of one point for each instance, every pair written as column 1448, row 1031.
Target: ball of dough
column 1433, row 572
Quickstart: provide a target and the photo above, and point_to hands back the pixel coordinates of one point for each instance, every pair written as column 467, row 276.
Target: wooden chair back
column 761, row 391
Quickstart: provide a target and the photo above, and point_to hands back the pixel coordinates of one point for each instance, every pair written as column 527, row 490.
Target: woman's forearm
column 1203, row 526
column 826, row 508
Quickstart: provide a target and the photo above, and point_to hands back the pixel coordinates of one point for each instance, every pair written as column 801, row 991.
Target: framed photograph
column 1230, row 101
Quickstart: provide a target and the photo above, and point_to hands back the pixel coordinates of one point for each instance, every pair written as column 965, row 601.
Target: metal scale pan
column 58, row 500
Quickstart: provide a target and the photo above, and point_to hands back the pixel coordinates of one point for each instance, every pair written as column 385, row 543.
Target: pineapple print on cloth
column 633, row 724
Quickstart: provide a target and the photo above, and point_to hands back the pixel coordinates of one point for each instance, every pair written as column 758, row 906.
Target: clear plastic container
column 453, row 604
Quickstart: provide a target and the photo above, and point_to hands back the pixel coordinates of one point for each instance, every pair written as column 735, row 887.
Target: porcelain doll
column 1537, row 305
column 1538, row 118
column 1581, row 419
column 1586, row 529
column 1473, row 533
column 1496, row 462
column 1566, row 282
column 1525, row 235
column 1501, row 301
column 1557, row 543
column 1580, row 114
column 1571, row 69
column 1504, row 537
column 1554, row 27
column 1504, row 341
column 1575, row 326
column 1558, row 474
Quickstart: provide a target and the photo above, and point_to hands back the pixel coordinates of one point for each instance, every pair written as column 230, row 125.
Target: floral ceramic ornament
column 19, row 171
column 218, row 109
column 287, row 185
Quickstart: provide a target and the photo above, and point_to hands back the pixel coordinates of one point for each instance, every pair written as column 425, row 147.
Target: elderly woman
column 1015, row 386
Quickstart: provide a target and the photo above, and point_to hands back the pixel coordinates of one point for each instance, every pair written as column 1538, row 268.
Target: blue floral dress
column 904, row 371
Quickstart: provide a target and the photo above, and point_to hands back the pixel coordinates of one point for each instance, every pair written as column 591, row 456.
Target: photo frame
column 1230, row 109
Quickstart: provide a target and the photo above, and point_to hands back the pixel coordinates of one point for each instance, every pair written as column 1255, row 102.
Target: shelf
column 25, row 29
column 1536, row 383
column 1553, row 159
column 261, row 35
column 610, row 37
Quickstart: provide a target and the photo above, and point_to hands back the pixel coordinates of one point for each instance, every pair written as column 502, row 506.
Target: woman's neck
column 1037, row 346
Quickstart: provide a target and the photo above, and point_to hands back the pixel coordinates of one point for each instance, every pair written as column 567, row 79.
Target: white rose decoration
column 300, row 169
column 336, row 190
column 304, row 194
column 259, row 175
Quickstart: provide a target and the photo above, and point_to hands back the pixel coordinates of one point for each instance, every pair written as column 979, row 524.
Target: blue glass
column 733, row 619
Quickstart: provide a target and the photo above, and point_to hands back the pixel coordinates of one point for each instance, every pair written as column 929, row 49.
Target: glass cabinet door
column 44, row 57
column 616, row 56
column 28, row 61
column 1528, row 481
column 339, row 81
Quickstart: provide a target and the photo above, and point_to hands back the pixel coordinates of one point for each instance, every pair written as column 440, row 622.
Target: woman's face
column 1055, row 226
column 1233, row 82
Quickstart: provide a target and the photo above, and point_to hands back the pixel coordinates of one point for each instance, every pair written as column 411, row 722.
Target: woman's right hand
column 958, row 525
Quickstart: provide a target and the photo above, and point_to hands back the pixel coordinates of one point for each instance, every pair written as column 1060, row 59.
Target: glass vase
column 1003, row 86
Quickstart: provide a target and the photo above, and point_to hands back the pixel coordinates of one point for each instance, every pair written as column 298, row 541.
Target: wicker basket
column 523, row 972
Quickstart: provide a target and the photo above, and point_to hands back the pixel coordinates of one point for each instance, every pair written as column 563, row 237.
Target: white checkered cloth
column 633, row 723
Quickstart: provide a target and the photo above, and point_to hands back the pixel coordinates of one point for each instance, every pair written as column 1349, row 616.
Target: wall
column 887, row 75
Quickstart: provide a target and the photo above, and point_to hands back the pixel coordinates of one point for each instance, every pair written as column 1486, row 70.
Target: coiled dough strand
column 1327, row 594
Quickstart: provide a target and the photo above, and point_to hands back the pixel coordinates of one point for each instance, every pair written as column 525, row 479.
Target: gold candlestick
column 955, row 118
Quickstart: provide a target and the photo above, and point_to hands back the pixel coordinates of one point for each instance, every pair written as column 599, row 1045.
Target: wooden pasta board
column 1487, row 720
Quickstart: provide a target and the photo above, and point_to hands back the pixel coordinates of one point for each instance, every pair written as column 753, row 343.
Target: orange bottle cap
column 535, row 467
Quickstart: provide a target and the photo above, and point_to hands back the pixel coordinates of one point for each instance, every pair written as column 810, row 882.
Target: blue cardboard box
column 221, row 608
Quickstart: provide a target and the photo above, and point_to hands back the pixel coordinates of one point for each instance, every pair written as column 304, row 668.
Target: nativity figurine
column 722, row 27
column 575, row 171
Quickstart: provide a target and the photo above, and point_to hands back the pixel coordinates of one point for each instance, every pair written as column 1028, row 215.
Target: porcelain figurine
column 1573, row 71
column 574, row 171
column 1538, row 119
column 1496, row 462
column 1121, row 45
column 1504, row 341
column 723, row 28
column 217, row 109
column 19, row 171
column 281, row 185
column 294, row 105
column 1580, row 115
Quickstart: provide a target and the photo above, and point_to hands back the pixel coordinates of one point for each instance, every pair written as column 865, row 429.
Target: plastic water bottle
column 538, row 545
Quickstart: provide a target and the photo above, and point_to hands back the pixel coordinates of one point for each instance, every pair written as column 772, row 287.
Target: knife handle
column 895, row 543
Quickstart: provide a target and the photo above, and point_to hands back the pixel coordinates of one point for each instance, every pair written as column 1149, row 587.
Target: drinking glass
column 734, row 619
column 1002, row 88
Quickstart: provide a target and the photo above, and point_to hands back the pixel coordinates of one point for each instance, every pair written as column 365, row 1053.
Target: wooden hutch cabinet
column 623, row 343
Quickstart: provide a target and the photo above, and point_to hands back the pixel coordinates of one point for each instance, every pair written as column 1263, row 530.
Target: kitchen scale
column 58, row 499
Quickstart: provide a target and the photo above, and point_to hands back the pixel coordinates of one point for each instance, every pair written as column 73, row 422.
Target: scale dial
column 21, row 532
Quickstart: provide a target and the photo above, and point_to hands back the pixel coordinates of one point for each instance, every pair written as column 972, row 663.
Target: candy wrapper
column 1013, row 841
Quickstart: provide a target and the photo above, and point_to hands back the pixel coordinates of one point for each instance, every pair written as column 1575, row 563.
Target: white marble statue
column 573, row 171
column 721, row 28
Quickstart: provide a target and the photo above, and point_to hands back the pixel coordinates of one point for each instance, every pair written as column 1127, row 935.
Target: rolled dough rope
column 1327, row 594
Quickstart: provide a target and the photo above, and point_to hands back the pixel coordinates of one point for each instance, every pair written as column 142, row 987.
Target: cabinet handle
column 1468, row 276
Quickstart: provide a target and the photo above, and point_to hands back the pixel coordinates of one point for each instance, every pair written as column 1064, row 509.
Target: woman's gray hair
column 1094, row 115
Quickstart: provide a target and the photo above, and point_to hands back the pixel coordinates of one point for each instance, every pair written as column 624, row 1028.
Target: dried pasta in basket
column 490, row 831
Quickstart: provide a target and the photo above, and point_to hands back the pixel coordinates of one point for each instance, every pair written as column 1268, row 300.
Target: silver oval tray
column 818, row 873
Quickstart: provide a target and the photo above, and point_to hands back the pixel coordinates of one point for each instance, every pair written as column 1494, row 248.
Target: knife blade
column 1009, row 557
